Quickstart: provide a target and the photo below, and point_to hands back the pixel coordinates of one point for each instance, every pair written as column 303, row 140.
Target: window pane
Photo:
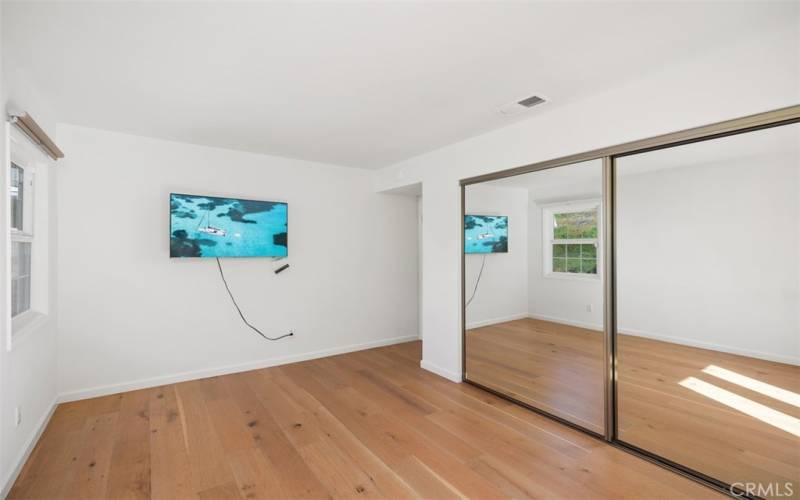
column 575, row 225
column 559, row 250
column 573, row 250
column 16, row 193
column 20, row 296
column 20, row 277
column 20, row 259
column 559, row 265
column 589, row 251
column 573, row 265
column 589, row 266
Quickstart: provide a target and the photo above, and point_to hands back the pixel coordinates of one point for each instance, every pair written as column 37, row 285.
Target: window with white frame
column 21, row 202
column 571, row 239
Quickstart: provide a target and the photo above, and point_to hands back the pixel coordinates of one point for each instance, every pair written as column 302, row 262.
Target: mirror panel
column 534, row 290
column 708, row 306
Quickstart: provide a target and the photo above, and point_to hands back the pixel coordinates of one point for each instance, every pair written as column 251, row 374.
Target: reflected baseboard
column 767, row 356
column 564, row 321
column 496, row 321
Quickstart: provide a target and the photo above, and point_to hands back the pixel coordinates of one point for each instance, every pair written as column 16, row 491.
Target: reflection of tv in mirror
column 207, row 226
column 485, row 234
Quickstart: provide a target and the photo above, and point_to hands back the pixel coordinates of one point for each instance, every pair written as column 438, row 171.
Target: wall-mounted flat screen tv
column 485, row 234
column 207, row 226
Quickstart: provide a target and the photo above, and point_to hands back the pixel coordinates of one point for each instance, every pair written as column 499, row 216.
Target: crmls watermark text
column 776, row 490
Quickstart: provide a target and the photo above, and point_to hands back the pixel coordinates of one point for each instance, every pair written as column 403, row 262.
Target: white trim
column 494, row 321
column 778, row 358
column 20, row 236
column 24, row 323
column 5, row 183
column 579, row 324
column 442, row 372
column 105, row 390
column 25, row 453
column 585, row 277
column 574, row 205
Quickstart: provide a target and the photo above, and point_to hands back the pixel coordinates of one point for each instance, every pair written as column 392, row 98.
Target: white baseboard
column 494, row 321
column 579, row 324
column 105, row 390
column 442, row 372
column 778, row 358
column 25, row 453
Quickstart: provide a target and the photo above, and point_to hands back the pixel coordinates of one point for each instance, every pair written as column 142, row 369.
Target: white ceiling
column 357, row 84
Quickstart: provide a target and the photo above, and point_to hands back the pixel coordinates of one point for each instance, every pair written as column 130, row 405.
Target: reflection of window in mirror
column 571, row 239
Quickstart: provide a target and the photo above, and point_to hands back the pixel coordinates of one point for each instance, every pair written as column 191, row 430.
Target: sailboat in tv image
column 209, row 226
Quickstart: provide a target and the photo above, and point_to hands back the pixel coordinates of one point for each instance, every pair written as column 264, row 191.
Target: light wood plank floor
column 558, row 368
column 368, row 424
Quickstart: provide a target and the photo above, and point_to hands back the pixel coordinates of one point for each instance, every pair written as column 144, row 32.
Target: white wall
column 28, row 368
column 755, row 75
column 708, row 253
column 577, row 301
column 502, row 294
column 130, row 316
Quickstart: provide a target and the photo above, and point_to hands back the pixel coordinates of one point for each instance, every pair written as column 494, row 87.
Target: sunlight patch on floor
column 772, row 391
column 758, row 411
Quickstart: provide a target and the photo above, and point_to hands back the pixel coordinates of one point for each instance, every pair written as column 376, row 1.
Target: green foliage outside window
column 575, row 257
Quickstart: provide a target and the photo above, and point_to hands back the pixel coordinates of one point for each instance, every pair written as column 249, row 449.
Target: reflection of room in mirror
column 708, row 239
column 707, row 297
column 535, row 322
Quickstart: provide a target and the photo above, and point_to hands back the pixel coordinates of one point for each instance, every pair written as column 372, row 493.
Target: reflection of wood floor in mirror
column 732, row 417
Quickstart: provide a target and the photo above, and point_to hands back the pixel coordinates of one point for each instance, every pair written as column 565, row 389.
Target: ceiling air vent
column 531, row 101
column 520, row 106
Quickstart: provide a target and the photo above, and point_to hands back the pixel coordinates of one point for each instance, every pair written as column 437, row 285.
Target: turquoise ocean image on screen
column 206, row 226
column 485, row 233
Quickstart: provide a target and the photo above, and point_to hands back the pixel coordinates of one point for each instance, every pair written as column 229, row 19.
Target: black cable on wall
column 222, row 275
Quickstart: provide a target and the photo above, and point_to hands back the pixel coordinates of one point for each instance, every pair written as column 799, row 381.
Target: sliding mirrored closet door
column 708, row 307
column 533, row 283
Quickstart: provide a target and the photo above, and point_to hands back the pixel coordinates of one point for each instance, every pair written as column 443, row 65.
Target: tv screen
column 485, row 234
column 207, row 226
